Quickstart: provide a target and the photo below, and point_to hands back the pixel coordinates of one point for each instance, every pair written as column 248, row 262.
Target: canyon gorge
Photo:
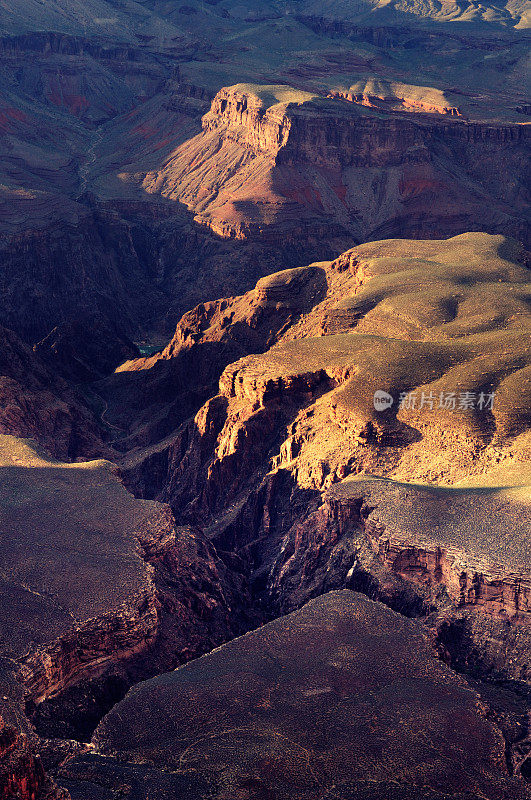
column 265, row 400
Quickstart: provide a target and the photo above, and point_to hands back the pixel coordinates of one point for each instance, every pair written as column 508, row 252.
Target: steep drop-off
column 98, row 589
column 274, row 158
column 282, row 480
column 155, row 157
column 443, row 329
column 341, row 699
column 116, row 194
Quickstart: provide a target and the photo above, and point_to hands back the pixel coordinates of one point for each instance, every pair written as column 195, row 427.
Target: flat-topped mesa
column 295, row 127
column 324, row 702
column 271, row 453
column 66, row 529
column 292, row 129
column 289, row 168
column 248, row 120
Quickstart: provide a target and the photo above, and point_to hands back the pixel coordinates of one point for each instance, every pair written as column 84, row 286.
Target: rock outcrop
column 90, row 259
column 58, row 628
column 99, row 589
column 265, row 464
column 110, row 192
column 388, row 95
column 272, row 483
column 288, row 159
column 337, row 699
column 150, row 397
column 418, row 320
column 448, row 554
column 361, row 423
column 22, row 775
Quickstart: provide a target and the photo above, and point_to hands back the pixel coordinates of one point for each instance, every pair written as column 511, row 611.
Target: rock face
column 420, row 319
column 331, row 700
column 113, row 194
column 85, row 350
column 387, row 95
column 21, row 772
column 155, row 157
column 496, row 579
column 272, row 481
column 290, row 159
column 36, row 402
column 97, row 586
column 54, row 629
column 264, row 466
column 150, row 397
column 73, row 243
column 458, row 554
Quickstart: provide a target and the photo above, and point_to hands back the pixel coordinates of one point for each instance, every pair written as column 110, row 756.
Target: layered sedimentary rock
column 441, row 329
column 460, row 555
column 57, row 90
column 56, row 628
column 340, row 699
column 388, row 95
column 99, row 589
column 273, row 156
column 272, row 482
column 21, row 772
column 149, row 397
column 122, row 196
column 105, row 173
column 424, row 322
column 479, row 544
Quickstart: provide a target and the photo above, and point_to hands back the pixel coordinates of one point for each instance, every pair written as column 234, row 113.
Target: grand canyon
column 265, row 400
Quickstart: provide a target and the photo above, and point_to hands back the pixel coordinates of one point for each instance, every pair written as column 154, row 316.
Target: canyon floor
column 265, row 400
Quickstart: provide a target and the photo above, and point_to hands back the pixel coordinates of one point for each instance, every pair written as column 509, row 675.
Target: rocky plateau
column 265, row 400
column 266, row 479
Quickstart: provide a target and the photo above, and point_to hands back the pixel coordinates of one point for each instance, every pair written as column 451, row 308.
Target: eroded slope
column 106, row 174
column 273, row 157
column 442, row 328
